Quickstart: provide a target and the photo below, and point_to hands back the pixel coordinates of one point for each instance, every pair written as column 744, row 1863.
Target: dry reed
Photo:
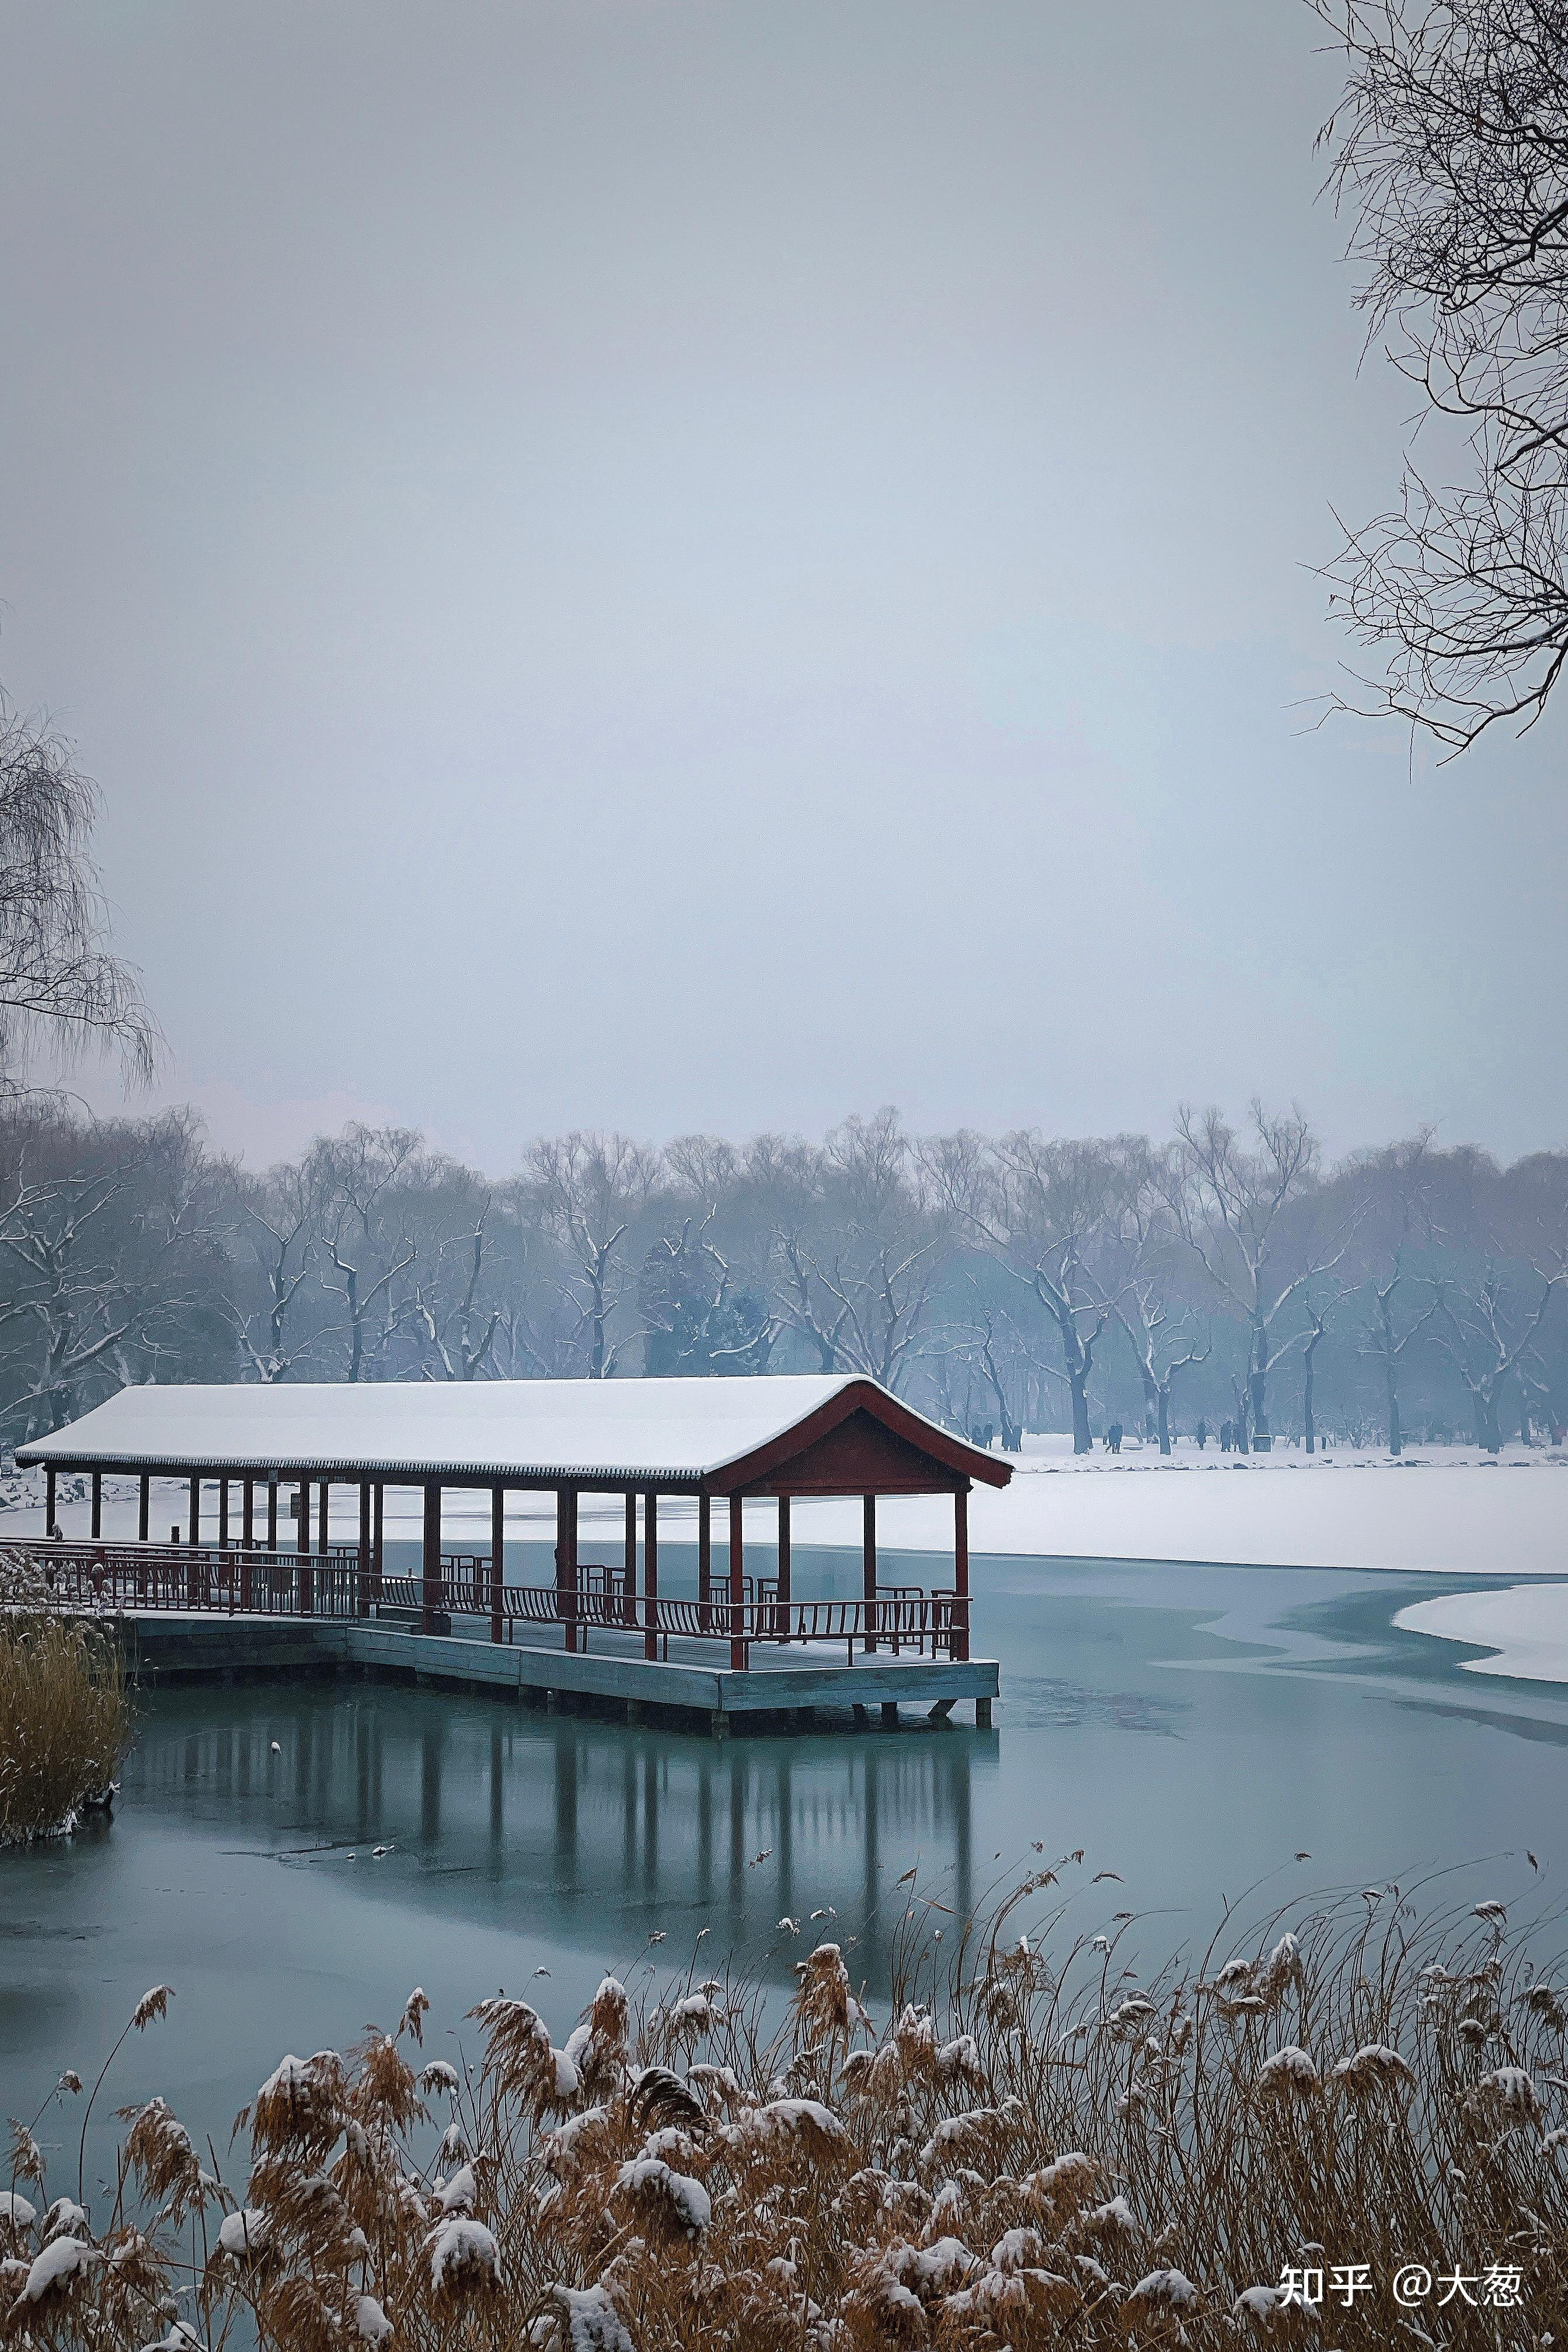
column 64, row 1715
column 1040, row 2145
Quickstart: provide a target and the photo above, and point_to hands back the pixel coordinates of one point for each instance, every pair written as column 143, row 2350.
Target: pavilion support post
column 304, row 1589
column 498, row 1557
column 143, row 1506
column 651, row 1574
column 566, row 1561
column 629, row 1562
column 97, row 1505
column 378, row 1540
column 704, row 1563
column 223, row 1514
column 738, row 1646
column 362, row 1561
column 272, row 1512
column 430, row 1561
column 49, row 1499
column 785, row 1568
column 960, row 1645
column 194, row 1532
column 323, row 1541
column 246, row 1543
column 868, row 1566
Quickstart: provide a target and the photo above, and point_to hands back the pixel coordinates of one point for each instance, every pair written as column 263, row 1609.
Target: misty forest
column 1002, row 1284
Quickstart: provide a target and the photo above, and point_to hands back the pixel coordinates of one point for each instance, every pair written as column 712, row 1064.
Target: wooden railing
column 118, row 1577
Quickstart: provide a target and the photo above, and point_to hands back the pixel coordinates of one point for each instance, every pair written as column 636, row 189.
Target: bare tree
column 1486, row 1333
column 61, row 986
column 1451, row 143
column 1234, row 1208
column 589, row 1188
column 351, row 1179
column 275, row 1216
column 1316, row 1333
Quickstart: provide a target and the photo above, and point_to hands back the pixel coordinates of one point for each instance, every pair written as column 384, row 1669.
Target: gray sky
column 709, row 566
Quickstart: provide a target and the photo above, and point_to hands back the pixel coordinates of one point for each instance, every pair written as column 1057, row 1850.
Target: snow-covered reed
column 1023, row 2141
column 64, row 1716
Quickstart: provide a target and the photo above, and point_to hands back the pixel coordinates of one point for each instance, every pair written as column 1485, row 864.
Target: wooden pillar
column 194, row 1533
column 49, row 1499
column 143, row 1506
column 223, row 1514
column 323, row 1539
column 650, row 1573
column 248, row 1512
column 629, row 1559
column 96, row 1504
column 303, row 1587
column 869, row 1565
column 378, row 1539
column 960, row 1572
column 430, row 1561
column 566, row 1561
column 303, row 1519
column 704, row 1564
column 498, row 1557
column 738, row 1652
column 362, row 1562
column 785, row 1591
column 272, row 1512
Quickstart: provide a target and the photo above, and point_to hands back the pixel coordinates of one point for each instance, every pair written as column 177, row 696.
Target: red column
column 324, row 1540
column 361, row 1591
column 302, row 1545
column 248, row 1512
column 651, row 1574
column 430, row 1560
column 785, row 1594
column 629, row 1562
column 145, row 1506
column 223, row 1514
column 960, row 1572
column 272, row 1511
column 49, row 1498
column 704, row 1564
column 498, row 1557
column 566, row 1561
column 97, row 1503
column 194, row 1535
column 737, row 1588
column 869, row 1565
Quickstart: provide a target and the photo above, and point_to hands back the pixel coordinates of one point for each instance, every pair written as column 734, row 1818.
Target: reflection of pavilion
column 599, row 1628
column 604, row 1829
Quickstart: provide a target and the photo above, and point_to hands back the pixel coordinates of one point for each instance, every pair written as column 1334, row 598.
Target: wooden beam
column 566, row 1560
column 705, row 1563
column 869, row 1565
column 430, row 1560
column 738, row 1653
column 361, row 1606
column 651, row 1574
column 498, row 1556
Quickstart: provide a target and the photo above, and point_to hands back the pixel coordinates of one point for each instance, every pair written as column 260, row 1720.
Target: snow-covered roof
column 612, row 1433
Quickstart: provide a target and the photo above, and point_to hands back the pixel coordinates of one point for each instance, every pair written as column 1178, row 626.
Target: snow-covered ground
column 1446, row 1509
column 1525, row 1625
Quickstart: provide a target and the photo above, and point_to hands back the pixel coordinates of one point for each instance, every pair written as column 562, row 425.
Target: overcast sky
column 681, row 566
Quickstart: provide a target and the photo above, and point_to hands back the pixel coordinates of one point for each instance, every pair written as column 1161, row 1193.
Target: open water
column 1193, row 1730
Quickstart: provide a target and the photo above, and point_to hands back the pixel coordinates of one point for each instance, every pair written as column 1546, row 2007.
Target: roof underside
column 660, row 1433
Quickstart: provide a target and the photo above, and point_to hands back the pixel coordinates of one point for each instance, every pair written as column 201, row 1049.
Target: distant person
column 1226, row 1435
column 1113, row 1438
column 1201, row 1434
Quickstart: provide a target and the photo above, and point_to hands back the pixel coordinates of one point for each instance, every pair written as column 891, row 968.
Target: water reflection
column 495, row 1811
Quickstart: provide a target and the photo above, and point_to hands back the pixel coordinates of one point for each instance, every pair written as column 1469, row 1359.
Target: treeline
column 999, row 1283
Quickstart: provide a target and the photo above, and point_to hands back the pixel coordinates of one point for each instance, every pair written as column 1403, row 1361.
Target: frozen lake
column 1192, row 1729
